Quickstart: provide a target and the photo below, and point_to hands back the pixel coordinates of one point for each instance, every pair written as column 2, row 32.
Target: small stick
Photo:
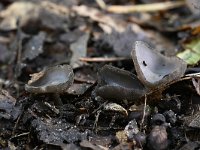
column 102, row 105
column 144, row 111
column 193, row 75
column 19, row 135
column 96, row 119
column 19, row 49
column 16, row 124
column 52, row 107
column 102, row 59
column 101, row 4
column 145, row 7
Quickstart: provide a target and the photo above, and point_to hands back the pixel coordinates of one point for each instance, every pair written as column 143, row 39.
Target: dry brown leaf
column 98, row 16
column 49, row 14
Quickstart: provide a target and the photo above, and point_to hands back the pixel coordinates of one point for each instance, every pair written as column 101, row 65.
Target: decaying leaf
column 196, row 83
column 122, row 42
column 102, row 141
column 190, row 146
column 110, row 21
column 48, row 14
column 124, row 145
column 16, row 11
column 121, row 136
column 70, row 146
column 78, row 89
column 7, row 106
column 5, row 54
column 154, row 69
column 98, row 16
column 87, row 144
column 194, row 5
column 193, row 121
column 85, row 75
column 71, row 36
column 115, row 108
column 34, row 46
column 79, row 49
column 57, row 131
column 191, row 54
column 118, row 84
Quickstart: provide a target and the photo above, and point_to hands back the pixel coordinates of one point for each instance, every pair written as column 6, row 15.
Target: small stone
column 170, row 116
column 131, row 129
column 158, row 119
column 157, row 139
column 140, row 139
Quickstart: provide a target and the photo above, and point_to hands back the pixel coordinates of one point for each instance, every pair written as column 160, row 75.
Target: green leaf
column 191, row 54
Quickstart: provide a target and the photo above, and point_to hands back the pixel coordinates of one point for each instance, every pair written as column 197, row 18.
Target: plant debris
column 105, row 75
column 34, row 47
column 8, row 107
column 191, row 54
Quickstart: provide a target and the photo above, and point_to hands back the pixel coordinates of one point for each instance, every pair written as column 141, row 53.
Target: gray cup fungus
column 154, row 69
column 118, row 84
column 53, row 80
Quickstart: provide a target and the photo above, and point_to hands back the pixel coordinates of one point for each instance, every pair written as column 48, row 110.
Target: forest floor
column 99, row 75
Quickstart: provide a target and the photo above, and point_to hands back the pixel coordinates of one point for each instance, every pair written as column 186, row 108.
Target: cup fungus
column 53, row 80
column 154, row 68
column 118, row 84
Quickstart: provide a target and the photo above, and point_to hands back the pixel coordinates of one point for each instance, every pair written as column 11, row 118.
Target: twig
column 96, row 119
column 19, row 135
column 145, row 7
column 19, row 49
column 17, row 123
column 55, row 110
column 102, row 59
column 98, row 111
column 193, row 75
column 144, row 111
column 101, row 4
column 102, row 105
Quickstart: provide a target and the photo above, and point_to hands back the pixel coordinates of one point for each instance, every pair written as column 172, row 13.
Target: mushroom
column 53, row 80
column 153, row 68
column 118, row 84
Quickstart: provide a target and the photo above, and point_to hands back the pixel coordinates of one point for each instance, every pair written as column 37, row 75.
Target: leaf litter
column 101, row 79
